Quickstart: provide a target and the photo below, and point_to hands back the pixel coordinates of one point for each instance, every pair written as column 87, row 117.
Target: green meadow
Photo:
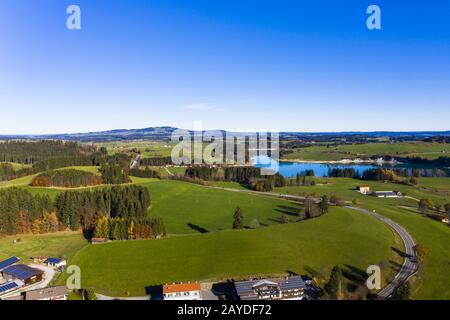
column 190, row 208
column 313, row 246
column 63, row 244
column 433, row 281
column 403, row 149
column 198, row 220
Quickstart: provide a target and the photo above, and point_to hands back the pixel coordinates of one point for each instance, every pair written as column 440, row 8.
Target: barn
column 24, row 273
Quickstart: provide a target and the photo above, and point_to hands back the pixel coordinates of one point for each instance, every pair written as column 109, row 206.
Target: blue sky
column 237, row 65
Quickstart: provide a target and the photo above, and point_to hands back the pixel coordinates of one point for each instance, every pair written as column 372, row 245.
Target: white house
column 182, row 291
column 55, row 263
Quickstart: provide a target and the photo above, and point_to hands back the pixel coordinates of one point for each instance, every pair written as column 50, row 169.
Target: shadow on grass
column 289, row 210
column 399, row 252
column 197, row 228
column 155, row 292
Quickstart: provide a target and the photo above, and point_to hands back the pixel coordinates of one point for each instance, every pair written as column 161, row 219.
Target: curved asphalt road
column 410, row 264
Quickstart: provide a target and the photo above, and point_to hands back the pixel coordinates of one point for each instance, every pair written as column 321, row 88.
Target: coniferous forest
column 22, row 212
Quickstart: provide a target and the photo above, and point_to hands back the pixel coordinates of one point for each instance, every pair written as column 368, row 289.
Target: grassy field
column 338, row 238
column 403, row 149
column 205, row 209
column 17, row 166
column 56, row 245
column 345, row 188
column 433, row 282
column 148, row 148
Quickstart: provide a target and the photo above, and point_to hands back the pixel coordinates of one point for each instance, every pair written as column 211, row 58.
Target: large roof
column 21, row 271
column 46, row 293
column 8, row 262
column 4, row 288
column 246, row 289
column 181, row 287
column 54, row 260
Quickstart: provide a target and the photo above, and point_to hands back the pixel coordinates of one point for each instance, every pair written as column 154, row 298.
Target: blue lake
column 291, row 169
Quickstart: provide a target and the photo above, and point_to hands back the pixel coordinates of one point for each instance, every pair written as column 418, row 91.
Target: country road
column 410, row 264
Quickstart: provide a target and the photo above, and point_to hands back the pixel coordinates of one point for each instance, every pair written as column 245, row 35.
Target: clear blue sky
column 232, row 64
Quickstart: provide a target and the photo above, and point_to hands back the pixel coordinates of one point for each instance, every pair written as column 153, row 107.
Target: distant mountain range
column 164, row 133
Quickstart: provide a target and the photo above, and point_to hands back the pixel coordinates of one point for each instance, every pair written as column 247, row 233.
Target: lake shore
column 343, row 161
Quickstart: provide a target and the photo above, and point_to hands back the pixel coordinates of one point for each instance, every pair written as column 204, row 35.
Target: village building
column 55, row 263
column 8, row 262
column 386, row 194
column 10, row 286
column 182, row 291
column 289, row 288
column 363, row 189
column 54, row 293
column 22, row 272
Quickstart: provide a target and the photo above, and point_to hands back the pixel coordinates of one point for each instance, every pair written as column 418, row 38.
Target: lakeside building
column 182, row 291
column 289, row 288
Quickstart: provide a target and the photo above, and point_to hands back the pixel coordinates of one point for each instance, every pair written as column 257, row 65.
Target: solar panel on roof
column 53, row 260
column 8, row 262
column 8, row 287
column 21, row 271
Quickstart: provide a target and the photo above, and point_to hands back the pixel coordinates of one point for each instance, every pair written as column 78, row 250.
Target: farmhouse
column 386, row 194
column 289, row 288
column 55, row 263
column 6, row 263
column 55, row 293
column 22, row 272
column 182, row 291
column 363, row 189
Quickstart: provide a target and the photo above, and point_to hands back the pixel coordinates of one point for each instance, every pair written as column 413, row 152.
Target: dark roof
column 245, row 289
column 46, row 293
column 8, row 287
column 8, row 262
column 54, row 260
column 21, row 271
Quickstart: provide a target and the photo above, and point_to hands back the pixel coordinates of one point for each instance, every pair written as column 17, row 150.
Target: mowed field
column 403, row 149
column 63, row 244
column 189, row 208
column 339, row 238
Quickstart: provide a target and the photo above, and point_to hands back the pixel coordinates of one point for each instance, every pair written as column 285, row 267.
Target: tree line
column 27, row 152
column 246, row 175
column 7, row 172
column 23, row 212
column 68, row 178
column 19, row 209
column 145, row 173
column 129, row 229
column 381, row 174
